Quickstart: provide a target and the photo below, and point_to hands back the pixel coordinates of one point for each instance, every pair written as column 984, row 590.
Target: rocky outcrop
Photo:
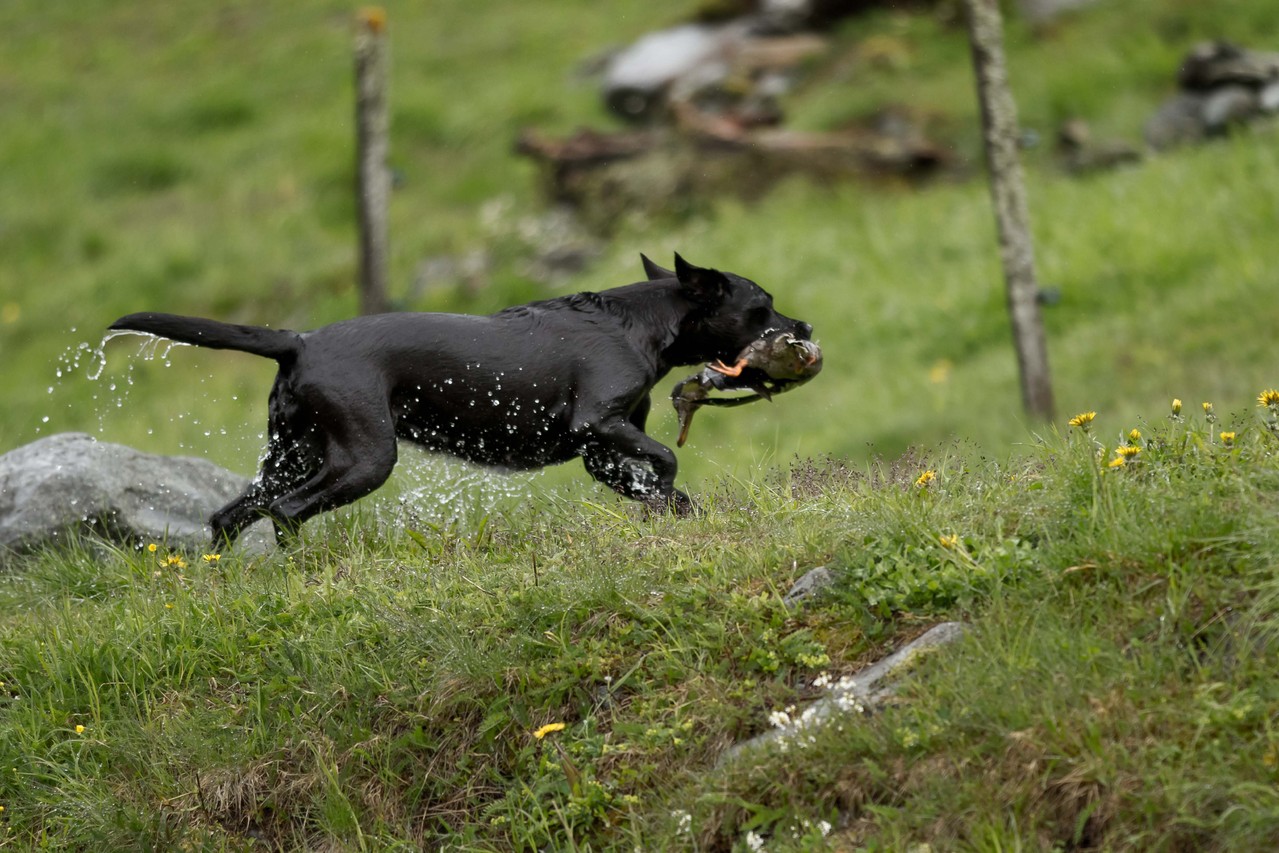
column 1220, row 85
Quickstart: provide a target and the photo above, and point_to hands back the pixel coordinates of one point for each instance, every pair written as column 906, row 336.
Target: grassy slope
column 379, row 687
column 382, row 686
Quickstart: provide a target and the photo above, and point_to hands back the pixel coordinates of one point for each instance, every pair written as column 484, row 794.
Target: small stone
column 813, row 582
column 865, row 691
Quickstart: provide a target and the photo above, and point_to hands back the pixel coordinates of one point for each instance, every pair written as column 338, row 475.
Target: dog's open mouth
column 768, row 366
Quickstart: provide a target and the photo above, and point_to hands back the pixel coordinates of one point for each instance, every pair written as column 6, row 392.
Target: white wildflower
column 780, row 719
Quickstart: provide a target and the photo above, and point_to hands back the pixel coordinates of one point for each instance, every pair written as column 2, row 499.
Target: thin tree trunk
column 373, row 178
column 1008, row 190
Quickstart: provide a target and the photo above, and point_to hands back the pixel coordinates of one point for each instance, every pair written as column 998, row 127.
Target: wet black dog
column 526, row 387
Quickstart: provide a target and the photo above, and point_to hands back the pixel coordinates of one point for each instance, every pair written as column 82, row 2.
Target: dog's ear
column 653, row 271
column 701, row 284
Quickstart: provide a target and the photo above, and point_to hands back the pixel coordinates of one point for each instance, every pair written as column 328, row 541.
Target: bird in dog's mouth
column 767, row 366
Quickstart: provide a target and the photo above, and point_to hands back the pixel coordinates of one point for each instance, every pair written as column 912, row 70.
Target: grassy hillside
column 391, row 685
column 380, row 687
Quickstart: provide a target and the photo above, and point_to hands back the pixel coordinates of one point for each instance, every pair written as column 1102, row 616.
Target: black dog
column 526, row 387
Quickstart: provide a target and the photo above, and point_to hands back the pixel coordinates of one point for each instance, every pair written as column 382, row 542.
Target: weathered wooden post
column 1008, row 190
column 373, row 177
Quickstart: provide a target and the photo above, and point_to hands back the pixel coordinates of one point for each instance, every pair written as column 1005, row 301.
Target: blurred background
column 198, row 158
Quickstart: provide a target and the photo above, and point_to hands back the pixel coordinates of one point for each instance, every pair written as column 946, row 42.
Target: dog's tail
column 279, row 344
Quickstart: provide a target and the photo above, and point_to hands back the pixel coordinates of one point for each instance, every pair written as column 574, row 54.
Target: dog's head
column 729, row 312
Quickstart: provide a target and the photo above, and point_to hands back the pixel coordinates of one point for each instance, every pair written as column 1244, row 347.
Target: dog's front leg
column 624, row 458
column 639, row 415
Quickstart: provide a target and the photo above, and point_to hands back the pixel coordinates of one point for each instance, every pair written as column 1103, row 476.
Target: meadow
column 382, row 685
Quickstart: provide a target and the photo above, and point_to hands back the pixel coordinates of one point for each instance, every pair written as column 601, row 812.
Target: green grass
column 378, row 687
column 381, row 686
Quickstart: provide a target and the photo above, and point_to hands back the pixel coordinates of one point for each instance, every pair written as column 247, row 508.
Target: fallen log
column 607, row 176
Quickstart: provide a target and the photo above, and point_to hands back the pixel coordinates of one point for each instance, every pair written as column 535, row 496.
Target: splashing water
column 430, row 488
column 148, row 351
column 111, row 391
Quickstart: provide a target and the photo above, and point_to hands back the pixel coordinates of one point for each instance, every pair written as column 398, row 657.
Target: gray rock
column 1268, row 97
column 71, row 483
column 813, row 582
column 859, row 693
column 1228, row 105
column 1222, row 85
column 637, row 77
column 1178, row 120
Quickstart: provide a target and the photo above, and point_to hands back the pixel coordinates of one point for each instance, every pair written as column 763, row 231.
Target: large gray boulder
column 71, row 483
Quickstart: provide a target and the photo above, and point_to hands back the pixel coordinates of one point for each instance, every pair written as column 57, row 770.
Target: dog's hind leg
column 229, row 522
column 288, row 463
column 359, row 455
column 624, row 458
column 347, row 475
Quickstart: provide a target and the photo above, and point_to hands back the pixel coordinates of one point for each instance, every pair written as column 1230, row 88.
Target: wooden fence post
column 1008, row 191
column 373, row 177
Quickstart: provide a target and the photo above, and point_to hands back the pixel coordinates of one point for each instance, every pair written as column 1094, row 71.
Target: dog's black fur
column 529, row 386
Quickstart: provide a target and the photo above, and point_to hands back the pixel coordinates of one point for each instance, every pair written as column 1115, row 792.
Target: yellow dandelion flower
column 1134, row 434
column 212, row 558
column 174, row 561
column 926, row 478
column 1176, row 406
column 168, row 606
column 1207, row 408
column 1117, row 462
column 373, row 17
column 951, row 541
column 1083, row 420
column 152, row 548
column 1227, row 438
column 548, row 729
column 1127, row 451
column 79, row 729
column 1269, row 397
